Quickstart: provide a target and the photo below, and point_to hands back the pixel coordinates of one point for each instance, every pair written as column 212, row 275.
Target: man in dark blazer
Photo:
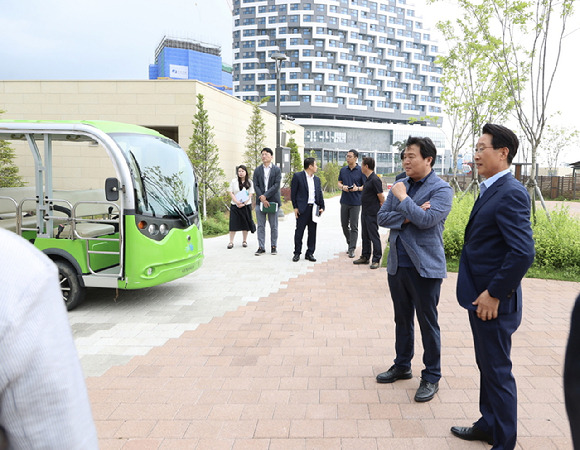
column 572, row 376
column 497, row 252
column 307, row 199
column 267, row 179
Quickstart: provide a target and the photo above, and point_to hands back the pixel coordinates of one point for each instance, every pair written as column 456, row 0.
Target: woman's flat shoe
column 230, row 245
column 244, row 244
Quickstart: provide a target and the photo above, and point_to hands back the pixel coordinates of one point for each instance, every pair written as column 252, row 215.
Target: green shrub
column 557, row 242
column 455, row 227
column 217, row 204
column 216, row 225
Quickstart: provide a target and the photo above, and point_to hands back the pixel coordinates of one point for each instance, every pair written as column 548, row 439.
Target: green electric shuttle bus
column 113, row 205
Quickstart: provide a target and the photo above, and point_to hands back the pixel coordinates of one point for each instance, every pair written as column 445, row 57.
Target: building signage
column 179, row 72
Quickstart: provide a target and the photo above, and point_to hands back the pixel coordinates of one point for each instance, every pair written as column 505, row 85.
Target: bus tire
column 72, row 292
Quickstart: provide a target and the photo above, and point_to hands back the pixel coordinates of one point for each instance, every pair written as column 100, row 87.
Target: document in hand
column 316, row 213
column 243, row 196
column 270, row 209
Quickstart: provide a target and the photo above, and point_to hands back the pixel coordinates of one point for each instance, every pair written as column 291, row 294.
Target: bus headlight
column 163, row 229
column 153, row 230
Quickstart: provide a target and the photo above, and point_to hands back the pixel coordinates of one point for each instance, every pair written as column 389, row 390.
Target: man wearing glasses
column 497, row 252
column 350, row 182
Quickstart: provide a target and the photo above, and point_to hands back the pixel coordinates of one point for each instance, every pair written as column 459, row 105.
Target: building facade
column 358, row 74
column 167, row 106
column 186, row 59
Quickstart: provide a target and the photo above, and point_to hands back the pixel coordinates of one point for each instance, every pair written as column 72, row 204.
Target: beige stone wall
column 152, row 103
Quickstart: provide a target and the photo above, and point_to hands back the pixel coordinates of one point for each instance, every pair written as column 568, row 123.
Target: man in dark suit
column 307, row 199
column 497, row 252
column 267, row 179
column 572, row 376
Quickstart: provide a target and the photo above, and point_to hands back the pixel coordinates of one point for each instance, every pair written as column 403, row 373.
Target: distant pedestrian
column 267, row 178
column 350, row 182
column 371, row 201
column 43, row 397
column 308, row 201
column 241, row 191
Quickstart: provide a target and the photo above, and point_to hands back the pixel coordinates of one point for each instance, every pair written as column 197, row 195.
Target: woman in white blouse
column 241, row 191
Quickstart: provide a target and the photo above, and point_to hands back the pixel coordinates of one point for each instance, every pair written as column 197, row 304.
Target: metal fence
column 551, row 187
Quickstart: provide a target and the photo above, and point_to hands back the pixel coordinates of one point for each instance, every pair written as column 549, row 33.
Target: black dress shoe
column 393, row 374
column 350, row 253
column 296, row 258
column 310, row 258
column 260, row 251
column 426, row 391
column 472, row 434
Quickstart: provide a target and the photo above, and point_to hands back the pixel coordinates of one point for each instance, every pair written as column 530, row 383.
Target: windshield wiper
column 166, row 201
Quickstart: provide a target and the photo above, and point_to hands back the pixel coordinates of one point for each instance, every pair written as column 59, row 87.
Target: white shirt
column 485, row 185
column 267, row 175
column 43, row 397
column 235, row 189
column 310, row 181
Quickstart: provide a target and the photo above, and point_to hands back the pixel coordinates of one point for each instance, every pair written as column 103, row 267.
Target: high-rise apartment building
column 357, row 72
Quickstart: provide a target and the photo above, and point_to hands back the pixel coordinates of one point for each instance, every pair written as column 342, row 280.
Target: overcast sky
column 116, row 40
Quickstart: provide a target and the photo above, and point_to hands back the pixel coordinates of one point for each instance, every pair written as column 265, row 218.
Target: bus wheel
column 72, row 291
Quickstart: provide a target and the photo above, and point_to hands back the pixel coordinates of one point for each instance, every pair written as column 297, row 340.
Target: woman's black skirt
column 241, row 219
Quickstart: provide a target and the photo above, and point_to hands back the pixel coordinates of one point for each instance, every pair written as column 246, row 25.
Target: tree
column 204, row 155
column 555, row 141
column 255, row 136
column 524, row 42
column 9, row 175
column 296, row 163
column 473, row 92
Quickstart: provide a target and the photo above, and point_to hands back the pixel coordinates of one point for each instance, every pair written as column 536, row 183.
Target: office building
column 358, row 74
column 186, row 59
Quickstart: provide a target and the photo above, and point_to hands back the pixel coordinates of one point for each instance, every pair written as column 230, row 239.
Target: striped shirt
column 43, row 397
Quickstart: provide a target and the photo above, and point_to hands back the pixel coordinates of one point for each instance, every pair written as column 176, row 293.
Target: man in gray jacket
column 415, row 211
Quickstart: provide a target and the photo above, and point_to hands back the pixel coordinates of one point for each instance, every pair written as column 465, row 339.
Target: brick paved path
column 295, row 370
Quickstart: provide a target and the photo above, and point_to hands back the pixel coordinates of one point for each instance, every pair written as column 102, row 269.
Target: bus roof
column 60, row 125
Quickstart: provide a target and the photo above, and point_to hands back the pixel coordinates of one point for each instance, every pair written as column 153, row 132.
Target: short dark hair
column 426, row 147
column 267, row 149
column 308, row 162
column 354, row 152
column 369, row 162
column 502, row 137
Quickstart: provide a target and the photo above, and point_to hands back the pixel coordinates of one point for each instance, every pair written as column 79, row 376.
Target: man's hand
column 265, row 202
column 296, row 213
column 487, row 306
column 399, row 190
column 425, row 206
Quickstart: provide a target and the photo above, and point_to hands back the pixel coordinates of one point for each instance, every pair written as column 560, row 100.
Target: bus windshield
column 162, row 174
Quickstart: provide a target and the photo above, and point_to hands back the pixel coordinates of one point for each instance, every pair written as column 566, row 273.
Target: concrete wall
column 151, row 103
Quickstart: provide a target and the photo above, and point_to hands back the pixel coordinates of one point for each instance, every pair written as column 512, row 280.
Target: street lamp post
column 278, row 58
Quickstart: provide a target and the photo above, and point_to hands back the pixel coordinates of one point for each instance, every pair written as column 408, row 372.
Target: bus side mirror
column 112, row 189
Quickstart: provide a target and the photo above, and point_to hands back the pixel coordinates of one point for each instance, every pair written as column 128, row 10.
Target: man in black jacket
column 307, row 200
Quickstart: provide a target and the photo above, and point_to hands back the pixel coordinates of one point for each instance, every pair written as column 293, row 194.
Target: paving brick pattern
column 296, row 370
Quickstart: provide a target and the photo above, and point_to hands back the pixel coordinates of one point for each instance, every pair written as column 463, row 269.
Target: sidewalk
column 271, row 354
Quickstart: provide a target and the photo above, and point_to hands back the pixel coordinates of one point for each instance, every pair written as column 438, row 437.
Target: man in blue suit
column 415, row 211
column 498, row 250
column 307, row 199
